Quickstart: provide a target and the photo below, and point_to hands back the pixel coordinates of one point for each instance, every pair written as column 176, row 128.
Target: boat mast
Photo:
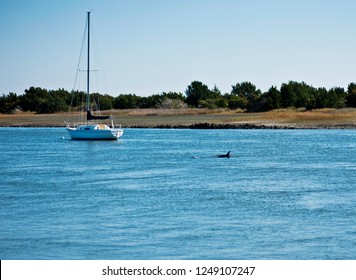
column 88, row 63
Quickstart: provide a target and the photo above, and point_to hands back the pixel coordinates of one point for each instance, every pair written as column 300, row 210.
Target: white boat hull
column 94, row 132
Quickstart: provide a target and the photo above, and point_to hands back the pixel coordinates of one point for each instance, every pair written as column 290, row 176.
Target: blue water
column 163, row 194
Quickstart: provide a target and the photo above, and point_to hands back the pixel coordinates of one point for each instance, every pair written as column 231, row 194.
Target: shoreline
column 200, row 119
column 207, row 126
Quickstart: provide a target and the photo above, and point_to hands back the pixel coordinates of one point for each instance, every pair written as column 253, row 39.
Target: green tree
column 273, row 99
column 102, row 102
column 8, row 102
column 78, row 99
column 215, row 100
column 36, row 100
column 42, row 101
column 126, row 101
column 149, row 101
column 248, row 97
column 336, row 98
column 61, row 99
column 296, row 95
column 351, row 95
column 173, row 95
column 323, row 98
column 235, row 102
column 289, row 94
column 196, row 92
column 215, row 93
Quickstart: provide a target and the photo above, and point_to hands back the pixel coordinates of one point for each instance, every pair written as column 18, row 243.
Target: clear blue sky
column 148, row 47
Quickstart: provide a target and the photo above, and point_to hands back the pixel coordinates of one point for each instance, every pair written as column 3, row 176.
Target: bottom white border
column 180, row 269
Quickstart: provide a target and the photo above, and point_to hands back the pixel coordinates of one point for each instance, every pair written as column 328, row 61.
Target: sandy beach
column 199, row 118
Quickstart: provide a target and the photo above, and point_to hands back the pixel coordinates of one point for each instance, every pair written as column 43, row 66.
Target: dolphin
column 225, row 156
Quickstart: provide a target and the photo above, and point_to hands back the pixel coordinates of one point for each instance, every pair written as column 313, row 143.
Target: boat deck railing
column 76, row 124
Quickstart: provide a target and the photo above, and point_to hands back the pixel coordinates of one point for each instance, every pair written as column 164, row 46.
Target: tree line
column 243, row 96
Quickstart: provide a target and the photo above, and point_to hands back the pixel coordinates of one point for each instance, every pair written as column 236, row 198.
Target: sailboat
column 94, row 128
